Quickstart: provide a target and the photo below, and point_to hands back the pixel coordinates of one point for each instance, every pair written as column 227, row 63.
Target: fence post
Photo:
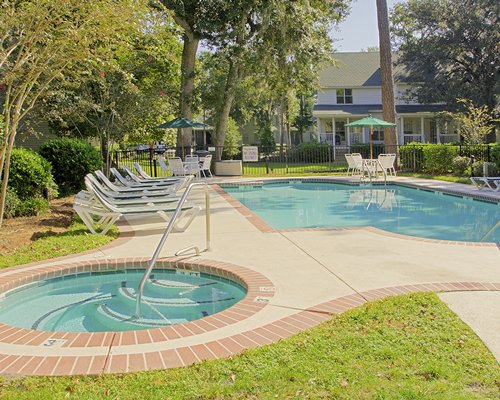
column 151, row 161
column 286, row 160
column 488, row 155
column 414, row 158
column 154, row 168
column 267, row 165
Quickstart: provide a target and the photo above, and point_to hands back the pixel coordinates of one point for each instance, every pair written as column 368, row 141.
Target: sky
column 359, row 30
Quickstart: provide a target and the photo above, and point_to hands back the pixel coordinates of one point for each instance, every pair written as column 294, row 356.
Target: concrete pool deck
column 307, row 275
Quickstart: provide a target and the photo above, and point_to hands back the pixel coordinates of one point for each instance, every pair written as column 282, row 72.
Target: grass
column 407, row 347
column 74, row 240
column 447, row 178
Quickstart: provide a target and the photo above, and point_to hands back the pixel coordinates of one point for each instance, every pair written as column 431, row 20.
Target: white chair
column 358, row 163
column 163, row 165
column 387, row 163
column 481, row 182
column 176, row 166
column 153, row 181
column 205, row 166
column 192, row 165
column 352, row 165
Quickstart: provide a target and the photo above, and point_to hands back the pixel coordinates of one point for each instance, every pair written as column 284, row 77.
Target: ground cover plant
column 406, row 347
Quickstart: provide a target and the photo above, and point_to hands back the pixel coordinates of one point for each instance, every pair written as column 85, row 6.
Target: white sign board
column 211, row 149
column 250, row 154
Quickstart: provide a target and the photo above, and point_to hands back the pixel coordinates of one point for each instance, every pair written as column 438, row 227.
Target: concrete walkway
column 309, row 271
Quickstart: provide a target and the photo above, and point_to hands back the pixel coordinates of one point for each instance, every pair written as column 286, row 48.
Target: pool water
column 105, row 301
column 393, row 208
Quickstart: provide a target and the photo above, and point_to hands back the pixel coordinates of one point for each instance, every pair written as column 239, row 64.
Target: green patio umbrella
column 181, row 123
column 371, row 122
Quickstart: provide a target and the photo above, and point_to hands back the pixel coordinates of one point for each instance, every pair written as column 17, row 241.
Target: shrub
column 495, row 154
column 460, row 165
column 310, row 152
column 438, row 158
column 12, row 204
column 30, row 175
column 32, row 206
column 412, row 157
column 364, row 150
column 477, row 169
column 71, row 160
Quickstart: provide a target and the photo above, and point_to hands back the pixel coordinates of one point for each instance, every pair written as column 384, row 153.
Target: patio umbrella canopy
column 180, row 123
column 371, row 122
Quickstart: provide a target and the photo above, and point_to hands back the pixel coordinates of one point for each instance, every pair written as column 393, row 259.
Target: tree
column 388, row 106
column 452, row 48
column 198, row 19
column 42, row 42
column 474, row 123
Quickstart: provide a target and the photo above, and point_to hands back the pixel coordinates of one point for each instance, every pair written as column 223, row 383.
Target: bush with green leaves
column 32, row 206
column 438, row 158
column 478, row 169
column 71, row 160
column 460, row 166
column 364, row 150
column 311, row 152
column 495, row 154
column 411, row 157
column 30, row 175
column 12, row 204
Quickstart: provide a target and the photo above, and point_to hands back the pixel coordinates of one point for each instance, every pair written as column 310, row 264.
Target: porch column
column 422, row 127
column 318, row 122
column 438, row 133
column 348, row 133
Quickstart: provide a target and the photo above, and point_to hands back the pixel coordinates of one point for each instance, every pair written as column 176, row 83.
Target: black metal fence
column 307, row 157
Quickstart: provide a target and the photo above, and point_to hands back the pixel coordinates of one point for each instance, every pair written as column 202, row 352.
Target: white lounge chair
column 387, row 163
column 94, row 208
column 145, row 178
column 192, row 165
column 130, row 198
column 152, row 181
column 357, row 163
column 163, row 165
column 481, row 182
column 153, row 190
column 119, row 178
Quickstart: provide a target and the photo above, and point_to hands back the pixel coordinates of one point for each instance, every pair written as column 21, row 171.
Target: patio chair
column 163, row 165
column 192, row 165
column 205, row 166
column 177, row 167
column 387, row 163
column 358, row 163
column 481, row 182
column 119, row 178
column 352, row 166
column 145, row 178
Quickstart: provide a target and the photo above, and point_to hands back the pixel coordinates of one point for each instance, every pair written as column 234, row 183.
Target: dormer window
column 344, row 96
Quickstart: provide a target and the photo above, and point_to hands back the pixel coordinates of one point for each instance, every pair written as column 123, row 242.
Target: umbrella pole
column 371, row 146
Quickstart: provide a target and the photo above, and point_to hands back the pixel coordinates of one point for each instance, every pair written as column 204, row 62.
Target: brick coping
column 264, row 227
column 231, row 345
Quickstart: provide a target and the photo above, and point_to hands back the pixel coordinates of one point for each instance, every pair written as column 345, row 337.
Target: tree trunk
column 388, row 107
column 233, row 76
column 10, row 133
column 187, row 89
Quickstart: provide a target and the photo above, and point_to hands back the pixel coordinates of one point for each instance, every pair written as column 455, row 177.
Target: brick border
column 225, row 347
column 255, row 283
column 264, row 227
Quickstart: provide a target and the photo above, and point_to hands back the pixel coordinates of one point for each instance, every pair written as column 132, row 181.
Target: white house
column 351, row 90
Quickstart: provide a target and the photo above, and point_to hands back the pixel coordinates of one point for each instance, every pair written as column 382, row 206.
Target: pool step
column 177, row 284
column 106, row 314
column 130, row 295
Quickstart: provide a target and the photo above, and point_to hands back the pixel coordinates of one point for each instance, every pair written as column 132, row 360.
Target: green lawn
column 75, row 239
column 407, row 347
column 447, row 178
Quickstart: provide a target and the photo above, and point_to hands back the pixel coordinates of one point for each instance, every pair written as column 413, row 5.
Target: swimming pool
column 394, row 208
column 105, row 301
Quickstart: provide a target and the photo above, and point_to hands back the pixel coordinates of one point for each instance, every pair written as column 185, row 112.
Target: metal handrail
column 170, row 226
column 379, row 165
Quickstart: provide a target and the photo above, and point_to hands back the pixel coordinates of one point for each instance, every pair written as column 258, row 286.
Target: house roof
column 358, row 69
column 362, row 109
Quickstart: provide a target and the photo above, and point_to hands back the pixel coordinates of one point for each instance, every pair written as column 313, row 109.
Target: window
column 344, row 96
column 378, row 135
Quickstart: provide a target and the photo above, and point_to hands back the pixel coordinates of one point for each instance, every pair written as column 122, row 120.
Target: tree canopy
column 452, row 47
